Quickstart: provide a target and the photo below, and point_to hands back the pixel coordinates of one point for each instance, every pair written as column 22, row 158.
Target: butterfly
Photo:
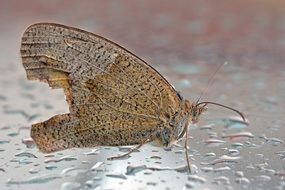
column 114, row 97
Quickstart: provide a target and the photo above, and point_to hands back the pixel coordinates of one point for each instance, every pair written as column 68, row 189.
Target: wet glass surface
column 225, row 153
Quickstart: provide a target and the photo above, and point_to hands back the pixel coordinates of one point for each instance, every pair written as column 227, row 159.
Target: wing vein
column 114, row 108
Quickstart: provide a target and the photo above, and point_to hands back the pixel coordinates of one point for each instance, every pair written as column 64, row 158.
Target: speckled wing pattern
column 114, row 97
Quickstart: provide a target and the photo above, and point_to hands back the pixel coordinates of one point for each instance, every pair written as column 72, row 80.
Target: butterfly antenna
column 227, row 107
column 210, row 81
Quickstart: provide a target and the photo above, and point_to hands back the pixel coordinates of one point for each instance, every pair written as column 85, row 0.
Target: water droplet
column 132, row 170
column 242, row 180
column 92, row 152
column 239, row 135
column 263, row 137
column 197, row 178
column 90, row 184
column 67, row 170
column 126, row 149
column 207, row 169
column 222, row 169
column 168, row 149
column 263, row 178
column 22, row 161
column 13, row 134
column 210, row 154
column 34, row 180
column 269, row 171
column 155, row 157
column 179, row 152
column 70, row 186
column 232, row 123
column 33, row 117
column 189, row 185
column 20, row 112
column 4, row 141
column 208, row 127
column 222, row 159
column 147, row 173
column 213, row 142
column 250, row 144
column 50, row 167
column 261, row 165
column 96, row 166
column 97, row 178
column 234, row 152
column 25, row 154
column 5, row 128
column 121, row 176
column 281, row 154
column 49, row 155
column 275, row 141
column 237, row 145
column 34, row 170
column 184, row 169
column 177, row 145
column 28, row 142
column 125, row 157
column 213, row 134
column 151, row 183
column 222, row 180
column 64, row 158
column 239, row 173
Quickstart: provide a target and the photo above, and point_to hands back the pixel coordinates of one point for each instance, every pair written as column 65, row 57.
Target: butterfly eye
column 165, row 133
column 165, row 137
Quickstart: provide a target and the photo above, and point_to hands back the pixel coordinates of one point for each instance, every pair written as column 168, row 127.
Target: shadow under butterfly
column 114, row 97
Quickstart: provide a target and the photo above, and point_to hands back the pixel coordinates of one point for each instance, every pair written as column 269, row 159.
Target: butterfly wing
column 114, row 97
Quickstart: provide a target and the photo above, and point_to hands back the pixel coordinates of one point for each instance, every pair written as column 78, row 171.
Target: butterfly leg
column 131, row 151
column 186, row 149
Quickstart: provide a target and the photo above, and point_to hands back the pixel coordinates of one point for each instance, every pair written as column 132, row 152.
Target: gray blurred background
column 185, row 41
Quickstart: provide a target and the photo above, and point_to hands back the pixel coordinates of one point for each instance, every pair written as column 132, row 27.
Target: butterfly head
column 195, row 110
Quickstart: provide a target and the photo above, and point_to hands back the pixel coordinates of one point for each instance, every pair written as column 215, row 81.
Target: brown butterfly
column 114, row 97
